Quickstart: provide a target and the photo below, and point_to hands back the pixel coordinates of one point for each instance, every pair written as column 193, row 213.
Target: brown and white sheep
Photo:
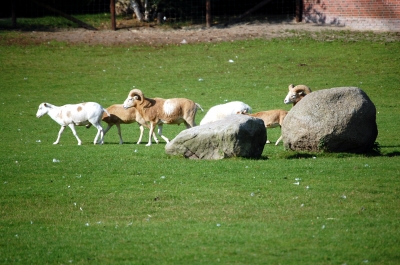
column 119, row 115
column 271, row 118
column 158, row 111
column 81, row 114
column 296, row 93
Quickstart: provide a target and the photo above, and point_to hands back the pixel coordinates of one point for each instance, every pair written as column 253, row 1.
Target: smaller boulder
column 234, row 136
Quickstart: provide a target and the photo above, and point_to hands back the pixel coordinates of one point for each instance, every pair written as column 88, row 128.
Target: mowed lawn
column 132, row 204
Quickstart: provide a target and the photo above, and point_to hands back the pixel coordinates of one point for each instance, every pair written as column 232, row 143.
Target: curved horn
column 302, row 89
column 291, row 86
column 137, row 93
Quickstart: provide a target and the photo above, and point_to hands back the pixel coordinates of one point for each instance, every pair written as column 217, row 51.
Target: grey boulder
column 341, row 119
column 234, row 136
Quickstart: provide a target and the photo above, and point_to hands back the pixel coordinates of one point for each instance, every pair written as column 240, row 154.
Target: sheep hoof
column 268, row 142
column 55, row 143
column 148, row 144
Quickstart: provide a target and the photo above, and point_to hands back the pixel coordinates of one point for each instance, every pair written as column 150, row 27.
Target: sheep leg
column 72, row 126
column 109, row 127
column 119, row 133
column 160, row 133
column 267, row 142
column 190, row 125
column 141, row 128
column 277, row 142
column 155, row 137
column 106, row 130
column 150, row 133
column 59, row 135
column 100, row 133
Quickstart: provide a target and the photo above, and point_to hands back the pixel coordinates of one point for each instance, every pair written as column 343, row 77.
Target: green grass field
column 132, row 204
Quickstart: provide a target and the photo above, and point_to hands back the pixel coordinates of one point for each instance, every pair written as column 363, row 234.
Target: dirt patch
column 198, row 34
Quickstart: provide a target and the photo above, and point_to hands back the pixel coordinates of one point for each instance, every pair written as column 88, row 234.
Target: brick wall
column 355, row 14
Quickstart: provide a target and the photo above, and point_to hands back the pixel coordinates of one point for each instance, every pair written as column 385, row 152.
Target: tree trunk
column 146, row 10
column 136, row 8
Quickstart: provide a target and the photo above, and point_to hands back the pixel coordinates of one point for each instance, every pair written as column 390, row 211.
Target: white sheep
column 296, row 93
column 219, row 112
column 81, row 114
column 271, row 118
column 119, row 115
column 158, row 111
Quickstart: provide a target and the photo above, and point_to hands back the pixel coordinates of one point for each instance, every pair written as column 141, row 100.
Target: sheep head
column 42, row 110
column 296, row 93
column 133, row 96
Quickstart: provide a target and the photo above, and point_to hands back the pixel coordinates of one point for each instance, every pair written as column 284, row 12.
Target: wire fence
column 171, row 11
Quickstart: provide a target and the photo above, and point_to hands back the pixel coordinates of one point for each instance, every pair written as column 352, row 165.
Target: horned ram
column 296, row 93
column 158, row 111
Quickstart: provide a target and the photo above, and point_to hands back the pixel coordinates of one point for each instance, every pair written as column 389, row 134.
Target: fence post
column 13, row 15
column 112, row 11
column 208, row 14
column 299, row 10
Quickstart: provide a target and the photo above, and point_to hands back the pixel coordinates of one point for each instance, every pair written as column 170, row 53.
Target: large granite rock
column 234, row 136
column 339, row 119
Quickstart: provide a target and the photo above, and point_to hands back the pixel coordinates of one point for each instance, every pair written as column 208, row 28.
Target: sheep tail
column 198, row 105
column 108, row 114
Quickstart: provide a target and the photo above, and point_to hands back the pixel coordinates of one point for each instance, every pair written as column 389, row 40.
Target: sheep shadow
column 393, row 154
column 372, row 153
column 131, row 143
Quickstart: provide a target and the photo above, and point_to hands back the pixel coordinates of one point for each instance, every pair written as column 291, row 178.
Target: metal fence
column 193, row 11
